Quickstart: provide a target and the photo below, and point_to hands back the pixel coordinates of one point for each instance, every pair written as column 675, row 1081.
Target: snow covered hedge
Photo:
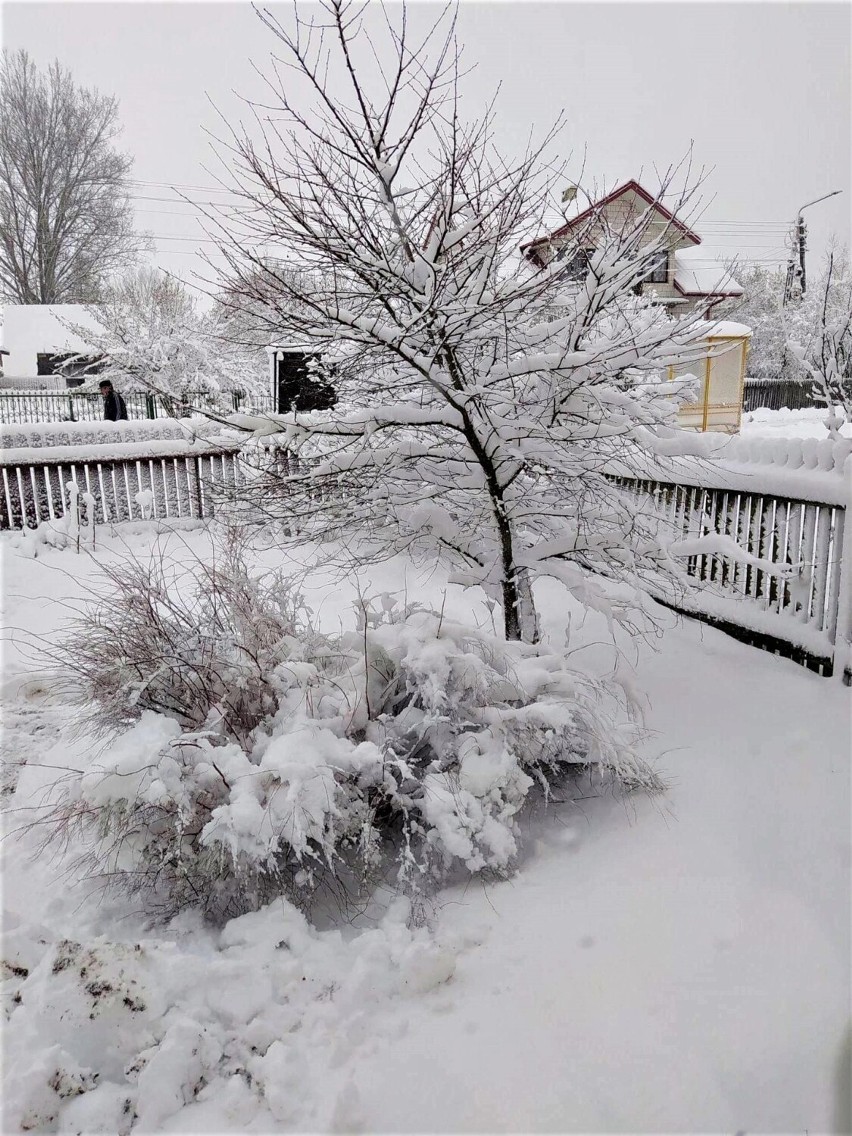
column 33, row 435
column 249, row 755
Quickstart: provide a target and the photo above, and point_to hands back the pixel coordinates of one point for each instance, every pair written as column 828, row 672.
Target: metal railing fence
column 71, row 406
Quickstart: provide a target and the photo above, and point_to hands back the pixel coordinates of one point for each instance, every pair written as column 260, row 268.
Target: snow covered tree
column 774, row 326
column 821, row 343
column 253, row 325
column 253, row 316
column 66, row 221
column 149, row 335
column 760, row 307
column 484, row 397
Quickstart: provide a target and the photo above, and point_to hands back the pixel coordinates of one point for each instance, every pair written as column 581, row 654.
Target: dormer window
column 658, row 269
column 576, row 262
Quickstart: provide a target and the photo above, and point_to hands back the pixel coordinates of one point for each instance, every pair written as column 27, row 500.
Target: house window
column 576, row 262
column 658, row 269
column 73, row 365
column 301, row 382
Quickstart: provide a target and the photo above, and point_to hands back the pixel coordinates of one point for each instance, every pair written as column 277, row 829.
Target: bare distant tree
column 822, row 344
column 66, row 223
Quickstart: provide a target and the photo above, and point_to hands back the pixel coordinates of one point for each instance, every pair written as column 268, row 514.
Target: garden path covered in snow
column 671, row 963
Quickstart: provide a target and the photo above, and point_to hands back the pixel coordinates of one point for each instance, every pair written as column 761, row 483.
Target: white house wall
column 33, row 329
column 619, row 215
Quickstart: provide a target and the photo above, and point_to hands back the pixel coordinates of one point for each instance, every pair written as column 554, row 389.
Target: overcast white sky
column 762, row 89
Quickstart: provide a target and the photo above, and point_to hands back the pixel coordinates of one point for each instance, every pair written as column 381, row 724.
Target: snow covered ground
column 667, row 964
column 808, row 422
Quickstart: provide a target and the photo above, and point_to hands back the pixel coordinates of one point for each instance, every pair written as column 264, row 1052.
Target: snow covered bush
column 815, row 323
column 195, row 641
column 760, row 307
column 249, row 755
column 44, row 434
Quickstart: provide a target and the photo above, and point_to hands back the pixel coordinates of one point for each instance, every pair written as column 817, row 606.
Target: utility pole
column 796, row 282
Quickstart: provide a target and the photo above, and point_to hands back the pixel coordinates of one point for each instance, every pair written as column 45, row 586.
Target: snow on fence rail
column 778, row 575
column 772, row 546
column 129, row 483
column 21, row 385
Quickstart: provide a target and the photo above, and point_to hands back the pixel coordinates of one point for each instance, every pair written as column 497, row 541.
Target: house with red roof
column 673, row 278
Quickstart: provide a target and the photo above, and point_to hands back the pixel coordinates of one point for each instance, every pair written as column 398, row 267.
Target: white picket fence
column 803, row 612
column 174, row 485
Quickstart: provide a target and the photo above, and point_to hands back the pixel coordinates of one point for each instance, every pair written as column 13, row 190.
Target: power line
column 696, row 261
column 740, row 264
column 169, row 213
column 783, row 224
column 742, row 221
column 732, row 224
column 686, row 260
column 179, row 185
column 237, row 192
column 716, row 237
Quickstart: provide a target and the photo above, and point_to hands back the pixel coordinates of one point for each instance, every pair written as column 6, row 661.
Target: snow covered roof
column 578, row 211
column 32, row 328
column 719, row 329
column 704, row 280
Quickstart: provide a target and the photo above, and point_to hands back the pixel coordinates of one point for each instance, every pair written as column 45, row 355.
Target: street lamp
column 796, row 272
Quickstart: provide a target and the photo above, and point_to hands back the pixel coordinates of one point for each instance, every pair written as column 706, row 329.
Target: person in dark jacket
column 114, row 406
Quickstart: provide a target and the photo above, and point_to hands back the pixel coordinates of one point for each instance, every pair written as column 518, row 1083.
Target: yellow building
column 721, row 374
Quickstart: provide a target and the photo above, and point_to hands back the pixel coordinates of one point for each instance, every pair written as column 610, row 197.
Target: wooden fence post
column 199, row 499
column 843, row 634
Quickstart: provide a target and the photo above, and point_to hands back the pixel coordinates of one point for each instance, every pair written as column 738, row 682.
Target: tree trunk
column 511, row 615
column 530, row 628
column 520, row 620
